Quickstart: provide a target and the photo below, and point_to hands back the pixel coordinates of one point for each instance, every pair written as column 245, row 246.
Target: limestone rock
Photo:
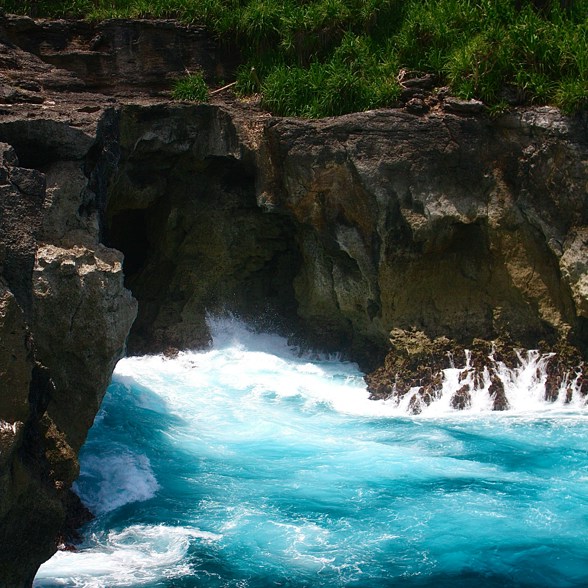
column 55, row 363
column 446, row 224
column 15, row 362
column 182, row 208
column 80, row 301
column 464, row 107
column 117, row 56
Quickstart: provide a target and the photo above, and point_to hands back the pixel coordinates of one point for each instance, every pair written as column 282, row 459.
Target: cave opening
column 128, row 233
column 196, row 243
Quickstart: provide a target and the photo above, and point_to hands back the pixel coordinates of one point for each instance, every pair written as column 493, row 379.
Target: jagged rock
column 574, row 266
column 413, row 361
column 12, row 94
column 416, row 79
column 416, row 106
column 80, row 301
column 497, row 394
column 118, row 56
column 564, row 369
column 60, row 331
column 182, row 207
column 462, row 398
column 15, row 361
column 439, row 223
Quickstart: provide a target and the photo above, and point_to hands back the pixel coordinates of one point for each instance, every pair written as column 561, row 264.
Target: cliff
column 386, row 231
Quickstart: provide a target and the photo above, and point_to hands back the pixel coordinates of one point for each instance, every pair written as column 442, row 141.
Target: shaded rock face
column 182, row 208
column 457, row 227
column 116, row 56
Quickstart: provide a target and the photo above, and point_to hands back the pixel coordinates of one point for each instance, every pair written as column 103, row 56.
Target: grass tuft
column 192, row 87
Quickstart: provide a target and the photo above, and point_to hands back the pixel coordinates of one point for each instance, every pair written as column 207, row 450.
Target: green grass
column 326, row 57
column 192, row 87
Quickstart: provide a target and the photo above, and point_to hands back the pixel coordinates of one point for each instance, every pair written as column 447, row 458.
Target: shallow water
column 249, row 466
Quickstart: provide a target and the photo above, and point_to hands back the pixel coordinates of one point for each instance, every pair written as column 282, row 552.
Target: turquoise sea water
column 249, row 466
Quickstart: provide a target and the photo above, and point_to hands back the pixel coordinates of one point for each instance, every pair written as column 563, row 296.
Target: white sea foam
column 265, row 365
column 114, row 479
column 135, row 556
column 275, row 367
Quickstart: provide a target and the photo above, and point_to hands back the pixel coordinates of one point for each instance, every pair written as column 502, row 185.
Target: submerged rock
column 462, row 399
column 415, row 368
column 496, row 391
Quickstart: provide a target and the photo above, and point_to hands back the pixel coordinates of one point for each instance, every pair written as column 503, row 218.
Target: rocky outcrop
column 112, row 57
column 457, row 226
column 413, row 372
column 463, row 229
column 64, row 318
column 421, row 232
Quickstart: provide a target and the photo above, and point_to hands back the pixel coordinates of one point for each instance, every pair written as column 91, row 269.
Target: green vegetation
column 192, row 87
column 326, row 57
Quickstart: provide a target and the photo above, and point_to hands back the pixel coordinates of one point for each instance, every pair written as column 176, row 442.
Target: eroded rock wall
column 455, row 226
column 64, row 318
column 118, row 56
column 451, row 225
column 182, row 207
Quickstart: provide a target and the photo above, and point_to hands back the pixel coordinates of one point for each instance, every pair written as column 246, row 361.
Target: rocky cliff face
column 456, row 226
column 64, row 318
column 182, row 207
column 372, row 233
column 65, row 315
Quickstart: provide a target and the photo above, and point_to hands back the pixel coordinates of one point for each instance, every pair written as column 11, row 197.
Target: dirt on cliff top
column 70, row 72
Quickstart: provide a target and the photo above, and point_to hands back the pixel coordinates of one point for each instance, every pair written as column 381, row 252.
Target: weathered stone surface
column 414, row 370
column 119, row 56
column 440, row 223
column 15, row 361
column 182, row 208
column 21, row 197
column 64, row 317
column 466, row 107
column 574, row 267
column 80, row 301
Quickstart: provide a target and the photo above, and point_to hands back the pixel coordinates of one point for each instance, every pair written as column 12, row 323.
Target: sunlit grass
column 192, row 87
column 325, row 57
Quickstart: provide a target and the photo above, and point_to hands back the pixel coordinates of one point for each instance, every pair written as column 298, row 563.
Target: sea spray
column 249, row 465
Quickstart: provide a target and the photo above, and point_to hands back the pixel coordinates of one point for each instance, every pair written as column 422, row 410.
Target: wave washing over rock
column 421, row 374
column 275, row 468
